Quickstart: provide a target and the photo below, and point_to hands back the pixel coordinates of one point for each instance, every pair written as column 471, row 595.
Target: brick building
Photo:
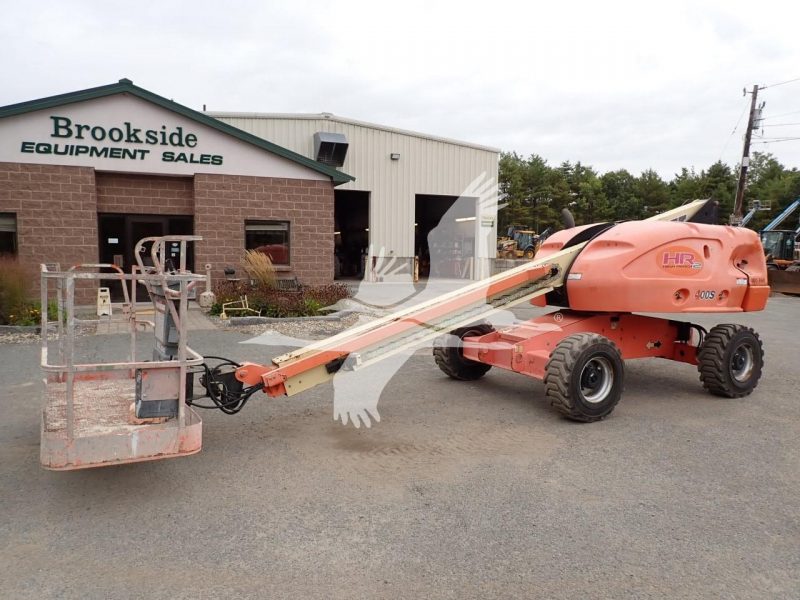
column 85, row 175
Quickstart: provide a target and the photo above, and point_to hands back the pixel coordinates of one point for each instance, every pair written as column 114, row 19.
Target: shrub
column 306, row 302
column 15, row 290
column 16, row 306
column 326, row 295
column 228, row 291
column 31, row 314
column 259, row 267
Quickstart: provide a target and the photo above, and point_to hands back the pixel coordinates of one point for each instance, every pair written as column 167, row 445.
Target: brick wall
column 56, row 210
column 144, row 194
column 224, row 202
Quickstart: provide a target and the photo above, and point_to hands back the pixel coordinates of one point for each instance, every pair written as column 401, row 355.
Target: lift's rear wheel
column 449, row 354
column 730, row 361
column 529, row 253
column 584, row 377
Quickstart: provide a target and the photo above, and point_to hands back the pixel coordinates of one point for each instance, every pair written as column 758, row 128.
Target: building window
column 269, row 237
column 8, row 233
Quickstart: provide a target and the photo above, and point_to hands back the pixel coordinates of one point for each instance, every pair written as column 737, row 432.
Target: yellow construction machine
column 520, row 243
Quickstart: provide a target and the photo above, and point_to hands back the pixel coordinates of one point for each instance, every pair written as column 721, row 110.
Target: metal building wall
column 427, row 166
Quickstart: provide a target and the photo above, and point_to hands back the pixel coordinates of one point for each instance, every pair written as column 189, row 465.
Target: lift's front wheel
column 449, row 354
column 584, row 377
column 730, row 361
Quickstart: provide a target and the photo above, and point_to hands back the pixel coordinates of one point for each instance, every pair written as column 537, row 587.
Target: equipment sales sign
column 123, row 141
column 124, row 133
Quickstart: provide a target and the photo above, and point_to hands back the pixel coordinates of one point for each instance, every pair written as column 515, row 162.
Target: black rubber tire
column 529, row 253
column 450, row 358
column 730, row 361
column 573, row 368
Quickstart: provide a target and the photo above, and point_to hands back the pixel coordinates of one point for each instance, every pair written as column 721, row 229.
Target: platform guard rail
column 86, row 420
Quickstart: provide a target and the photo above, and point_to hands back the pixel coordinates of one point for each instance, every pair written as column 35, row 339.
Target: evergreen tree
column 536, row 192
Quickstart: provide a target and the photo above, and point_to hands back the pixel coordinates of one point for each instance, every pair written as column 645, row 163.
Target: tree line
column 536, row 192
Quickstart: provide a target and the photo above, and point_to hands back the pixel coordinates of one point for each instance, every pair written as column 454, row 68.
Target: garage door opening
column 351, row 233
column 448, row 253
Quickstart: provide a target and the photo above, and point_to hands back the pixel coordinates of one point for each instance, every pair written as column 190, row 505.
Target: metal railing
column 67, row 369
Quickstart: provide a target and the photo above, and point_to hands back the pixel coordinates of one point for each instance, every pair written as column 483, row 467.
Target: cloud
column 614, row 84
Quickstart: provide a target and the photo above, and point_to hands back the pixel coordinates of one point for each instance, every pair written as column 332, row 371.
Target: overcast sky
column 631, row 85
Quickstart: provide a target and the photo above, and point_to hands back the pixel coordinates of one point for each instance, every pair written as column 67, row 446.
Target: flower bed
column 16, row 306
column 306, row 301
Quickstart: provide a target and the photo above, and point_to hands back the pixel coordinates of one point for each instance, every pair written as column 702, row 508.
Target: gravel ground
column 463, row 490
column 19, row 338
column 307, row 329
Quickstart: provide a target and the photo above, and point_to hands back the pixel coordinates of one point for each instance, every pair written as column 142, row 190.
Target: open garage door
column 444, row 236
column 351, row 233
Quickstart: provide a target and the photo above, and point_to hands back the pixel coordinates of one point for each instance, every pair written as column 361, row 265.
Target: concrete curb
column 239, row 321
column 20, row 329
column 51, row 328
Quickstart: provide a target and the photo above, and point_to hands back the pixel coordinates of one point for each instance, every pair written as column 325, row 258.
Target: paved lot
column 117, row 322
column 464, row 490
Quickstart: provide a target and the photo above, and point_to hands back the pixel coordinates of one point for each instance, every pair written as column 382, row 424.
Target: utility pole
column 736, row 215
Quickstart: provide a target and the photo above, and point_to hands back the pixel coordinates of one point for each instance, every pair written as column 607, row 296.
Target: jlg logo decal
column 679, row 260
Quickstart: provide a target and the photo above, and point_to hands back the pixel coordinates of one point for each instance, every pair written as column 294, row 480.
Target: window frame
column 286, row 222
column 14, row 232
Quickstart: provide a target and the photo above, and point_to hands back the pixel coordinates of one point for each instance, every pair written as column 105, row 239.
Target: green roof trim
column 125, row 86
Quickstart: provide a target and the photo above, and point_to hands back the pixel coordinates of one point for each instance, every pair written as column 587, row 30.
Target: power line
column 778, row 140
column 738, row 121
column 782, row 124
column 777, row 137
column 794, row 112
column 763, row 87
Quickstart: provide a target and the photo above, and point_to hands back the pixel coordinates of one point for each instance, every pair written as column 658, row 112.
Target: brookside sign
column 70, row 138
column 125, row 134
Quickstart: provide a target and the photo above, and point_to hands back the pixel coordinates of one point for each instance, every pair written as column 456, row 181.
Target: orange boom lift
column 598, row 277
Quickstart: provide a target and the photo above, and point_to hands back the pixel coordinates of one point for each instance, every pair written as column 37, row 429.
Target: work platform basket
column 96, row 413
